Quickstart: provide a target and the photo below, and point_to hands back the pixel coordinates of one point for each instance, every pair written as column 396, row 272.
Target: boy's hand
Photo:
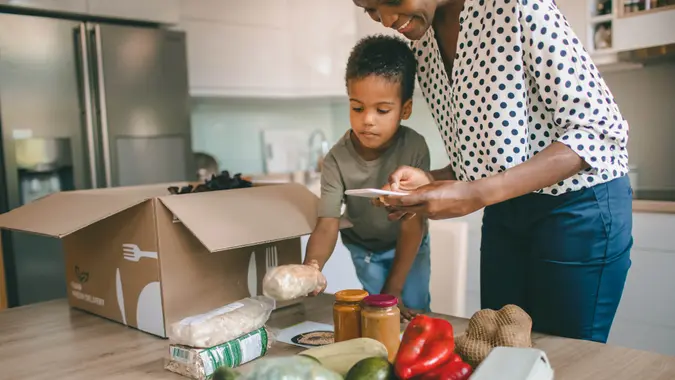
column 407, row 178
column 406, row 313
column 322, row 281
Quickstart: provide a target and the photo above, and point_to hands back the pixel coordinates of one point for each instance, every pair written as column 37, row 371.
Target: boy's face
column 376, row 110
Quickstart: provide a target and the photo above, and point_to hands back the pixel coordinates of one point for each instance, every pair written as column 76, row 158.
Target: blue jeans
column 563, row 259
column 372, row 269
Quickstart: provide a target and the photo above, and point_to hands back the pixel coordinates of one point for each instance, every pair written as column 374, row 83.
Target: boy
column 389, row 257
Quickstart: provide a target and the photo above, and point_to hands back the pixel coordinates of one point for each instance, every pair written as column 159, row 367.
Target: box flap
column 148, row 191
column 230, row 219
column 61, row 214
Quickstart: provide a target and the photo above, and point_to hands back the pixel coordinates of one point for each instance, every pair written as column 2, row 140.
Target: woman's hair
column 385, row 56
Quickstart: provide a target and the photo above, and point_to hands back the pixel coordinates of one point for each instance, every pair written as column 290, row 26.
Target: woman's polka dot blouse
column 521, row 80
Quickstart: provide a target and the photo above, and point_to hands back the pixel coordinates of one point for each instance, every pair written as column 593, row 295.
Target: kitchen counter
column 53, row 341
column 656, row 201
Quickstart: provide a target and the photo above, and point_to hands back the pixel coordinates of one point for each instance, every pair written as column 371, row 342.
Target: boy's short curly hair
column 386, row 56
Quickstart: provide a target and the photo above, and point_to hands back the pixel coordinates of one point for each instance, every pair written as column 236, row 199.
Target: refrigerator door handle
column 88, row 109
column 105, row 140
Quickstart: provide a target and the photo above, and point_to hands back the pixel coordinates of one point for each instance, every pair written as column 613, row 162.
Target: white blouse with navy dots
column 521, row 80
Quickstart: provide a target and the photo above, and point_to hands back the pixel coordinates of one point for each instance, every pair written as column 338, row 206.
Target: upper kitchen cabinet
column 366, row 26
column 323, row 33
column 613, row 30
column 644, row 23
column 238, row 61
column 262, row 13
column 71, row 6
column 238, row 48
column 160, row 11
column 576, row 13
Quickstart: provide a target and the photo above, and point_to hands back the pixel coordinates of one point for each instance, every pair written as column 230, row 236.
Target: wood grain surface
column 51, row 340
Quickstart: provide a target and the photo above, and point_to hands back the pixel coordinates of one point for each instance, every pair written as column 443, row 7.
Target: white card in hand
column 373, row 193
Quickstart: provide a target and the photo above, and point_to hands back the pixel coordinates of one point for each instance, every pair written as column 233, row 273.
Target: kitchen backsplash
column 230, row 129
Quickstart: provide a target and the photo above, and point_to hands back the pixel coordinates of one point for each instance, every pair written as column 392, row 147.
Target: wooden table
column 52, row 341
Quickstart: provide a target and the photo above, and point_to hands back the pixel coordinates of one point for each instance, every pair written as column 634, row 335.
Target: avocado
column 225, row 373
column 375, row 368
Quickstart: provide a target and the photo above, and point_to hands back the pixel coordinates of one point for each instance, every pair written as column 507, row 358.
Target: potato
column 510, row 326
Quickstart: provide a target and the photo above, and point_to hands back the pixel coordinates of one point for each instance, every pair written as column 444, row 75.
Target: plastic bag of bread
column 223, row 324
column 510, row 326
column 288, row 282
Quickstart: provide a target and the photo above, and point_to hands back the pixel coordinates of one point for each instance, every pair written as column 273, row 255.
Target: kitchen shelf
column 648, row 9
column 600, row 19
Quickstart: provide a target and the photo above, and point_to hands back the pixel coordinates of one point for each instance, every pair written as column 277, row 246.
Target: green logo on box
column 82, row 277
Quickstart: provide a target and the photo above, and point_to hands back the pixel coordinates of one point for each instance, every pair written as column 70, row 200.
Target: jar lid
column 381, row 300
column 351, row 295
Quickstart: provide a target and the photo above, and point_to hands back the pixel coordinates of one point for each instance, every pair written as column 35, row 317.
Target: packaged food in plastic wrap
column 223, row 324
column 201, row 363
column 290, row 368
column 288, row 282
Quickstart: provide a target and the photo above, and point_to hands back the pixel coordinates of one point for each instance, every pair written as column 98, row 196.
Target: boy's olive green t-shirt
column 344, row 169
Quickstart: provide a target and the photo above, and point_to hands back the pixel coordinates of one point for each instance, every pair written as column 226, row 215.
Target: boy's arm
column 409, row 239
column 322, row 242
column 407, row 246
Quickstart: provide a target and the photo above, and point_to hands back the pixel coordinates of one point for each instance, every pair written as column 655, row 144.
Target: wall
column 230, row 129
column 420, row 120
column 645, row 98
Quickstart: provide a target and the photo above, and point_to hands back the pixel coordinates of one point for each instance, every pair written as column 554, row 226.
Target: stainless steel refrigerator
column 84, row 105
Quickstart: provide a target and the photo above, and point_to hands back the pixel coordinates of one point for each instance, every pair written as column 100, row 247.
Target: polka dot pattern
column 521, row 80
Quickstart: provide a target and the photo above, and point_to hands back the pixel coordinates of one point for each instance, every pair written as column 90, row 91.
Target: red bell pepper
column 454, row 369
column 427, row 344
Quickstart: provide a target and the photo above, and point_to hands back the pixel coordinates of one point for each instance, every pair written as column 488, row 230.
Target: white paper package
column 223, row 324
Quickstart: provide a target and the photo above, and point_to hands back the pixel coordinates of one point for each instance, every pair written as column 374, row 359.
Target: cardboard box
column 146, row 259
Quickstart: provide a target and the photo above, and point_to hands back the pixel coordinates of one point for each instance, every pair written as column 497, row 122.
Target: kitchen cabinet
column 73, row 6
column 323, row 33
column 576, row 13
column 239, row 61
column 646, row 316
column 289, row 48
column 655, row 28
column 261, row 13
column 160, row 11
column 366, row 26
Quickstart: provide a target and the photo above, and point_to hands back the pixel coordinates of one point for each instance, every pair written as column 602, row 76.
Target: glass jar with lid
column 347, row 314
column 381, row 320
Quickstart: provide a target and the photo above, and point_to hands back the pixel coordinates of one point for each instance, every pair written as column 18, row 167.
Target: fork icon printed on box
column 133, row 253
column 271, row 258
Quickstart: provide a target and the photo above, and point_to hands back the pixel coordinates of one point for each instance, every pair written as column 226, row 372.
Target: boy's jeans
column 372, row 270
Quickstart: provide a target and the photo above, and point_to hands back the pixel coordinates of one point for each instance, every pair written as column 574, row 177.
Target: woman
column 534, row 136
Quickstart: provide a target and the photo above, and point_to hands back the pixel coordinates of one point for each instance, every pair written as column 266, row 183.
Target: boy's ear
column 407, row 109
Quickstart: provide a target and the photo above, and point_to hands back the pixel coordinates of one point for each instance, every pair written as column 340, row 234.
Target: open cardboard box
column 144, row 258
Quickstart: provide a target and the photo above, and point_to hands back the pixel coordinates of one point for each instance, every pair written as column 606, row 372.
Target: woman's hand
column 405, row 179
column 437, row 200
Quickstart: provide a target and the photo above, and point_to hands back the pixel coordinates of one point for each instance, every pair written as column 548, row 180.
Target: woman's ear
column 407, row 109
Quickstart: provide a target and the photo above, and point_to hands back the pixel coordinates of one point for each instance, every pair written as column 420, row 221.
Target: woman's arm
column 449, row 199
